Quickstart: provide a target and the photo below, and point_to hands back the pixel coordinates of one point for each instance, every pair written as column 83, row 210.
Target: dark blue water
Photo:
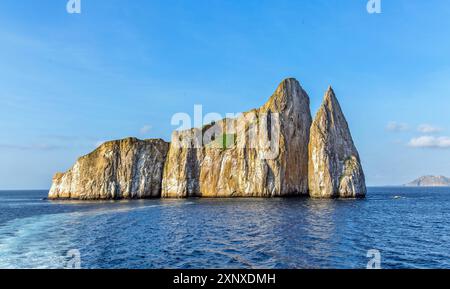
column 412, row 231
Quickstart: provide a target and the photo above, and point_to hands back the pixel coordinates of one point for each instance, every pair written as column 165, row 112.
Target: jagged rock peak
column 331, row 105
column 334, row 165
column 286, row 92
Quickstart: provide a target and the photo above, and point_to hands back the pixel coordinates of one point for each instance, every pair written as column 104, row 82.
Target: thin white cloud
column 427, row 128
column 394, row 126
column 430, row 142
column 145, row 129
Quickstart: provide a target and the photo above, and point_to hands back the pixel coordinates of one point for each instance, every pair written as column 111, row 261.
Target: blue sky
column 123, row 68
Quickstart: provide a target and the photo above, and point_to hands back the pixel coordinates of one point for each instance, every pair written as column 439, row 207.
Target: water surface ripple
column 408, row 226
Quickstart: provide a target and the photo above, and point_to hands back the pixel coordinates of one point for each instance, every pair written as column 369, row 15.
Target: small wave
column 41, row 241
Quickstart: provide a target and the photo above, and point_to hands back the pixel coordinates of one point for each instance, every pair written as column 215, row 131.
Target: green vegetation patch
column 225, row 141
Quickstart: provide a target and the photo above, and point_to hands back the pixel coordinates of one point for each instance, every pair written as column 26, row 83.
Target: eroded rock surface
column 334, row 165
column 124, row 169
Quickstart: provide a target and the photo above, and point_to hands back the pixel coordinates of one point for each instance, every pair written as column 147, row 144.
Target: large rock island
column 265, row 152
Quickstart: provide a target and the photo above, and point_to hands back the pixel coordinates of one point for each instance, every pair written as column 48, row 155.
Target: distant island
column 430, row 181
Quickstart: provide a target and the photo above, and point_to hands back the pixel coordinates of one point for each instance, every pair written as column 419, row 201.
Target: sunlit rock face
column 261, row 153
column 334, row 165
column 124, row 169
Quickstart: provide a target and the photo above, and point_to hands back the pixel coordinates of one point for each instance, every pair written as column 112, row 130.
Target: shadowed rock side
column 261, row 153
column 334, row 164
column 124, row 169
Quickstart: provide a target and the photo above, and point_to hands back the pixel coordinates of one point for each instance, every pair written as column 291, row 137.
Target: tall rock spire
column 334, row 165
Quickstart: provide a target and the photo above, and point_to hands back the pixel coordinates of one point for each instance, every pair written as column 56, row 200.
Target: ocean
column 408, row 227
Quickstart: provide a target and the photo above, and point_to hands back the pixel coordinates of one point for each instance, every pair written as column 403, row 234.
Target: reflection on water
column 410, row 231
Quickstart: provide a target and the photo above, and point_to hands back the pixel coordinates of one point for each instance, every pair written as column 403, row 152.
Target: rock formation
column 334, row 165
column 125, row 169
column 272, row 151
column 262, row 153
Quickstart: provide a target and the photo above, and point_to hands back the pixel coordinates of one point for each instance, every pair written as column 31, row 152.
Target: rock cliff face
column 262, row 153
column 334, row 165
column 125, row 169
